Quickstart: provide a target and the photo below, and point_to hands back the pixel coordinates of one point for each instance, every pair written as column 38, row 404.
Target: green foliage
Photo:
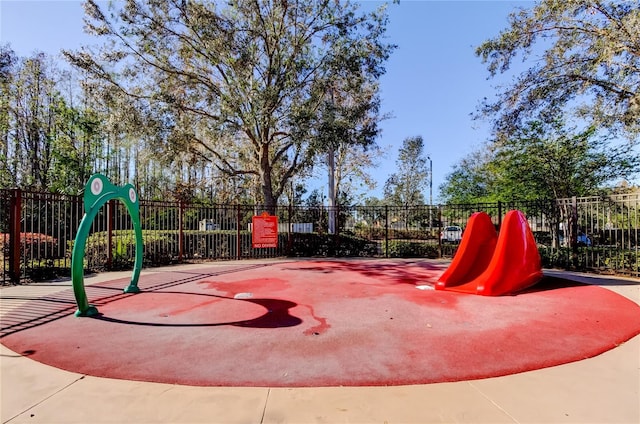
column 590, row 66
column 7, row 59
column 622, row 260
column 242, row 84
column 540, row 161
column 159, row 248
column 555, row 258
column 410, row 249
column 411, row 234
column 352, row 177
column 471, row 180
column 552, row 162
column 314, row 244
column 46, row 143
column 405, row 187
column 76, row 141
column 602, row 259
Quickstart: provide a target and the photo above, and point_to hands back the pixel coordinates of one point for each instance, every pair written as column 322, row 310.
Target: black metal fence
column 37, row 231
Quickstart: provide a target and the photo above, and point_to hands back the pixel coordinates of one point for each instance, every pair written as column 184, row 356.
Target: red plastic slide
column 474, row 253
column 488, row 267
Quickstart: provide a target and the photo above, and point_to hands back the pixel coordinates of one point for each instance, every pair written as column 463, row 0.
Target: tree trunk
column 266, row 185
column 332, row 191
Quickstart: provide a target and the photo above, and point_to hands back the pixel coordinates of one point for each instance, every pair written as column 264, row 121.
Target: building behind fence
column 37, row 231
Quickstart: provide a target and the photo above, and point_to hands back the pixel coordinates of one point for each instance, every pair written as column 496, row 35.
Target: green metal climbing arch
column 98, row 191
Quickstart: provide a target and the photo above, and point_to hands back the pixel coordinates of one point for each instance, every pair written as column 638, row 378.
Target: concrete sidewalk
column 603, row 389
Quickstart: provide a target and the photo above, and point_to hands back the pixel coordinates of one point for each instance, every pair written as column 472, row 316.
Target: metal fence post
column 612, row 228
column 15, row 215
column 290, row 227
column 439, row 231
column 574, row 230
column 180, row 230
column 386, row 231
column 238, row 235
column 336, row 232
column 111, row 204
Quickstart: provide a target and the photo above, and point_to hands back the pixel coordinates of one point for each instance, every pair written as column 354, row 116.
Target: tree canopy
column 405, row 187
column 242, row 84
column 590, row 66
column 46, row 142
column 557, row 125
column 471, row 180
column 540, row 161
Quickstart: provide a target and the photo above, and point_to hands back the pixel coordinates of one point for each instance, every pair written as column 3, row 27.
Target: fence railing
column 37, row 231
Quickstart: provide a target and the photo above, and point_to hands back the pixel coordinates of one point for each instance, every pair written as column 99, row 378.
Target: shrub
column 413, row 234
column 410, row 249
column 314, row 244
column 158, row 248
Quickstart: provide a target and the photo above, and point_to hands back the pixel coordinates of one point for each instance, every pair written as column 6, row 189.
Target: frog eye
column 132, row 195
column 96, row 186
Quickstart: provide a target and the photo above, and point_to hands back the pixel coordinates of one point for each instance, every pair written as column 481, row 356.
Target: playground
column 489, row 313
column 565, row 348
column 318, row 323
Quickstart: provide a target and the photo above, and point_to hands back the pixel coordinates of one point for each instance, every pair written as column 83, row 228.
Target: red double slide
column 492, row 265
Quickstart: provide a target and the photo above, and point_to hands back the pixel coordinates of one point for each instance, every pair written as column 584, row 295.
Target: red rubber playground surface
column 317, row 323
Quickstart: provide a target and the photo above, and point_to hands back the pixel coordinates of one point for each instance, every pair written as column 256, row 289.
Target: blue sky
column 433, row 82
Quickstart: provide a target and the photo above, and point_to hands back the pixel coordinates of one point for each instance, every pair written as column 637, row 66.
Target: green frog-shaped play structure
column 98, row 191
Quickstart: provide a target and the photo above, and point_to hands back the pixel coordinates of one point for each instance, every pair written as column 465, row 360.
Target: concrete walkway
column 603, row 389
